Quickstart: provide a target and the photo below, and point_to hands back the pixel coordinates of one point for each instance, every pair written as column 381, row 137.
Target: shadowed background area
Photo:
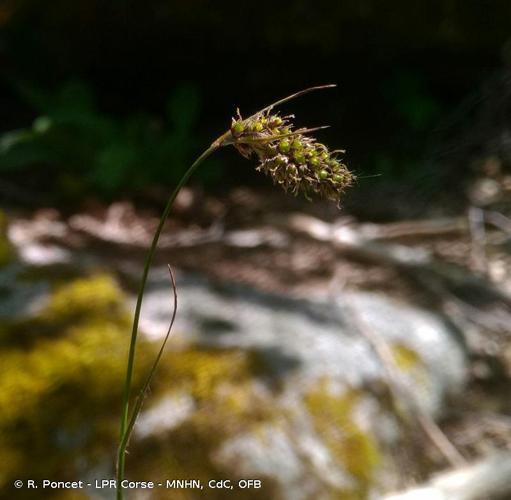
column 310, row 340
column 137, row 90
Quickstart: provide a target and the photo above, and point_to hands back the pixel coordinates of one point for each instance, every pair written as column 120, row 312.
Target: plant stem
column 127, row 423
column 125, row 429
column 140, row 399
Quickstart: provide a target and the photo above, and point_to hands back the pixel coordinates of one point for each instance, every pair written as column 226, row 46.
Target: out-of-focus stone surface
column 253, row 385
column 328, row 429
column 309, row 340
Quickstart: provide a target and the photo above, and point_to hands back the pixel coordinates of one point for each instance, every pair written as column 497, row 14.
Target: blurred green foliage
column 412, row 101
column 403, row 69
column 86, row 149
column 413, row 113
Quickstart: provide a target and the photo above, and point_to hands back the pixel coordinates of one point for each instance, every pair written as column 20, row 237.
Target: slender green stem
column 140, row 399
column 125, row 429
column 127, row 423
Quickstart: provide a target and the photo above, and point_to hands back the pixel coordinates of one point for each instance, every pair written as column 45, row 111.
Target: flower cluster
column 292, row 158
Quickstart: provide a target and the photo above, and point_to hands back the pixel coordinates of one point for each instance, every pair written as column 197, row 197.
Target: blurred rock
column 327, row 431
column 253, row 384
column 313, row 339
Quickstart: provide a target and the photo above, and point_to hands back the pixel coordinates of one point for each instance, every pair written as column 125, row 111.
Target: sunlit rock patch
column 252, row 384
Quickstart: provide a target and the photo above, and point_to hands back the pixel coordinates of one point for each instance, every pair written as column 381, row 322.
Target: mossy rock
column 405, row 358
column 61, row 381
column 221, row 383
column 60, row 393
column 354, row 448
column 71, row 304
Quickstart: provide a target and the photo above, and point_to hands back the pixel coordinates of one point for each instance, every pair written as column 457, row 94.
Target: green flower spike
column 278, row 145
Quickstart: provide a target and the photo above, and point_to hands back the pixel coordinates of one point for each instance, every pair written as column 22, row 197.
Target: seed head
column 291, row 157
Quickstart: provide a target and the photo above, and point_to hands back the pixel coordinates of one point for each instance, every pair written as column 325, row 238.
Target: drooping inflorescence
column 293, row 158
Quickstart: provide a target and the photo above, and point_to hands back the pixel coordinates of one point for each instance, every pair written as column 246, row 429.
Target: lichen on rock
column 355, row 448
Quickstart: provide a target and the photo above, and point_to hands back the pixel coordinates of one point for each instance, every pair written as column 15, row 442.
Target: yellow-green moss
column 97, row 296
column 60, row 393
column 201, row 372
column 61, row 377
column 405, row 358
column 355, row 449
column 221, row 383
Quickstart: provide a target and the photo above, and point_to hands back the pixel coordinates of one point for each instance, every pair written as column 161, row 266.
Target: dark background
column 135, row 90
